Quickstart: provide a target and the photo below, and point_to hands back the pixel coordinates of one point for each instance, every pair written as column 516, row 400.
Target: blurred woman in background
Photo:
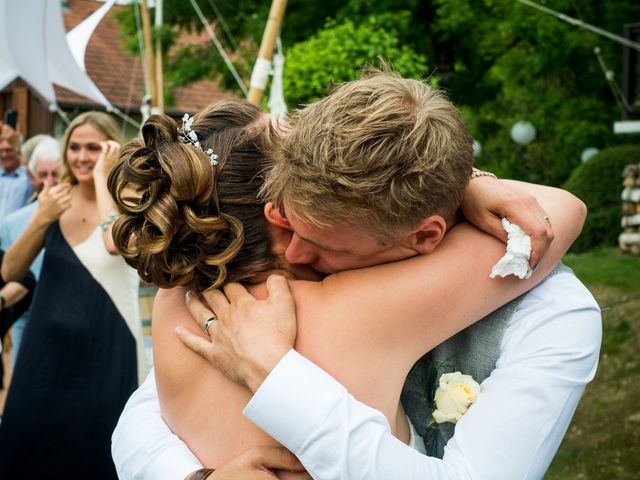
column 82, row 353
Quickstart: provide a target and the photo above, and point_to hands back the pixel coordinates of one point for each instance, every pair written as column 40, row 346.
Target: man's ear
column 279, row 229
column 428, row 234
column 275, row 217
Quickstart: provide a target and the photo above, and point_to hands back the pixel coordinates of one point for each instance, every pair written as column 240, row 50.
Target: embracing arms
column 420, row 302
column 574, row 210
column 512, row 432
column 487, row 201
column 451, row 284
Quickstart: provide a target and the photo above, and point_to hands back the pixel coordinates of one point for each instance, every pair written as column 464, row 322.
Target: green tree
column 336, row 53
column 513, row 62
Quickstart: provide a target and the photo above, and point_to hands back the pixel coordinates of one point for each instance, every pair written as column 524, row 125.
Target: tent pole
column 261, row 69
column 159, row 73
column 148, row 51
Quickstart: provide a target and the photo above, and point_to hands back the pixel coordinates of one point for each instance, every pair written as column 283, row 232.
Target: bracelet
column 110, row 219
column 475, row 173
column 201, row 474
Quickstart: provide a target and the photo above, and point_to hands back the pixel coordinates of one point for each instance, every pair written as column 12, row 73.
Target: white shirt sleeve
column 549, row 353
column 334, row 435
column 143, row 446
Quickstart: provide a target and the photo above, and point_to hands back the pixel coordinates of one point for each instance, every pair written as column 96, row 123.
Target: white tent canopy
column 33, row 47
column 78, row 38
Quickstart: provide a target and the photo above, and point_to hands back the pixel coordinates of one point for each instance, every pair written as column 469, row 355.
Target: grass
column 603, row 440
column 607, row 267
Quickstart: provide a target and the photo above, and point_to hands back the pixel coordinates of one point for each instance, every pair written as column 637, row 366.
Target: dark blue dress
column 75, row 370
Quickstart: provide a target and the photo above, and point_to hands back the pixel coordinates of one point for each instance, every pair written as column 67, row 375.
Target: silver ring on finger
column 208, row 323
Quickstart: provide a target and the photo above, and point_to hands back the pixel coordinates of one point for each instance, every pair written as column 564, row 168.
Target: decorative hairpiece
column 191, row 138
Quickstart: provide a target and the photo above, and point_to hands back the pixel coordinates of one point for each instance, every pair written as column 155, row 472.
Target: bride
column 192, row 218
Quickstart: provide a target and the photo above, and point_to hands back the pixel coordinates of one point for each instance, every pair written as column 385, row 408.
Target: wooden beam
column 159, row 71
column 262, row 67
column 148, row 52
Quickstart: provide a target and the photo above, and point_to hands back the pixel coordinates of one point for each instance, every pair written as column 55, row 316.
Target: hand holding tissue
column 516, row 260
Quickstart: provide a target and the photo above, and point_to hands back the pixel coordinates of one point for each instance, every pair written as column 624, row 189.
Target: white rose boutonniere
column 454, row 396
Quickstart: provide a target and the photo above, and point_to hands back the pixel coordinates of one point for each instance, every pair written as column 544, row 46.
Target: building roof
column 118, row 74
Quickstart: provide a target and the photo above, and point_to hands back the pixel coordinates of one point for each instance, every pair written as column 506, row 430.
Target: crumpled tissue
column 516, row 260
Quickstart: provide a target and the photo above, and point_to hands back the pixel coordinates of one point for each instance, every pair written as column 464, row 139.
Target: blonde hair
column 103, row 122
column 184, row 221
column 382, row 152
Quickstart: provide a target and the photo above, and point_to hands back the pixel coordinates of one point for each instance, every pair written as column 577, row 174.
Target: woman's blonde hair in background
column 103, row 122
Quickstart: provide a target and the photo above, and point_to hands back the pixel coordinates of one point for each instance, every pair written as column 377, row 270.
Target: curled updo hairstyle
column 184, row 221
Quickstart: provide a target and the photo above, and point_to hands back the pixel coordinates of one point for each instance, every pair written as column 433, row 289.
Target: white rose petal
column 440, row 417
column 454, row 396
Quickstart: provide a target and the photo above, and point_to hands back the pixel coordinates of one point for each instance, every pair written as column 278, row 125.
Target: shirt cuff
column 298, row 390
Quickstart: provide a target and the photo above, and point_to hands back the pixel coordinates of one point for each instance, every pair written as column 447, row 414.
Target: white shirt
column 15, row 188
column 548, row 354
column 143, row 446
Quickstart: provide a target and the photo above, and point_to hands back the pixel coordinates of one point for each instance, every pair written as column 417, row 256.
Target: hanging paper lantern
column 587, row 153
column 523, row 132
column 477, row 149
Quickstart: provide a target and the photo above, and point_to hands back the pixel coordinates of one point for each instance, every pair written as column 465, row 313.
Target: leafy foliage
column 598, row 183
column 336, row 54
column 516, row 63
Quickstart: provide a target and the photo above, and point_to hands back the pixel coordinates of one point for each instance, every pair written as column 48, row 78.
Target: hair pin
column 190, row 137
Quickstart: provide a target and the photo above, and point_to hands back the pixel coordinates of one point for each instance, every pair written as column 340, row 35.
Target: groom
column 542, row 363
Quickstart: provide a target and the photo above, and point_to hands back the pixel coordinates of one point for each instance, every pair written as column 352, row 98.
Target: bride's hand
column 488, row 200
column 249, row 336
